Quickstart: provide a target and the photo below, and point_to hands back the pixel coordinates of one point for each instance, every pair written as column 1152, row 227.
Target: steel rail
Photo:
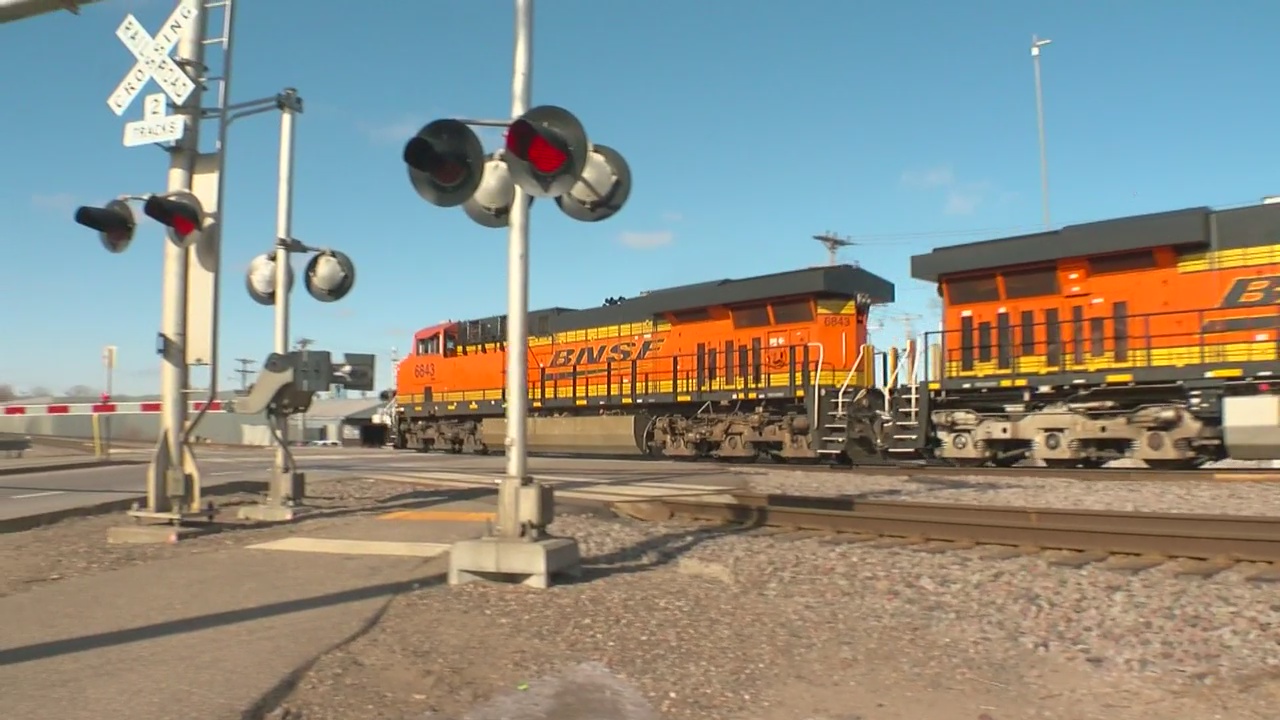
column 1240, row 538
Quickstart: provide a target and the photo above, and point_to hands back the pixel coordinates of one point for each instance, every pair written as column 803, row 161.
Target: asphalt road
column 49, row 491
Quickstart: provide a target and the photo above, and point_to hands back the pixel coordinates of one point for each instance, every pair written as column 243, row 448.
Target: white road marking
column 226, row 472
column 37, row 494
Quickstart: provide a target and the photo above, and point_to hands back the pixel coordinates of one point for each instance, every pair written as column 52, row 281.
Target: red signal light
column 182, row 225
column 529, row 145
column 180, row 211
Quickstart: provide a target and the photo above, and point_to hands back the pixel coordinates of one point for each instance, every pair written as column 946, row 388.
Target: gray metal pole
column 284, row 234
column 517, row 298
column 166, row 481
column 1036, row 44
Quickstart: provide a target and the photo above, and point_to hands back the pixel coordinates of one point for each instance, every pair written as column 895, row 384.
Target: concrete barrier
column 219, row 428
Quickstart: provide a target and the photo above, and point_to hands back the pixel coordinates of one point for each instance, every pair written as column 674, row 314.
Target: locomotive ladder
column 906, row 416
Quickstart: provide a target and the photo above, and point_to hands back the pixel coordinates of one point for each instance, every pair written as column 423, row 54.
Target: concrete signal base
column 531, row 558
column 529, row 562
column 286, row 489
column 155, row 533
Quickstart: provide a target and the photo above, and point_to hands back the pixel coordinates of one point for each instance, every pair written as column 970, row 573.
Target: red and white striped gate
column 107, row 408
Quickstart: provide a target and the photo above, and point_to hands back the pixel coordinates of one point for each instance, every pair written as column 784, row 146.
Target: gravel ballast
column 679, row 623
column 717, row 624
column 1175, row 496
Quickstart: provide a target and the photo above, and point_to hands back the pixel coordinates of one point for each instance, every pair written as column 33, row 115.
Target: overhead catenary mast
column 833, row 243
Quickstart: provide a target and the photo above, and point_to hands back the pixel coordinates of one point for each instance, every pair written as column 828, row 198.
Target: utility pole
column 833, row 243
column 1036, row 44
column 245, row 371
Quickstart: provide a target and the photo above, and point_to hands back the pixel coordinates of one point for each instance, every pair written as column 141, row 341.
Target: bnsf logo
column 604, row 352
column 1251, row 291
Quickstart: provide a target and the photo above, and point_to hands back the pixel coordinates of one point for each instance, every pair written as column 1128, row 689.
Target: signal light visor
column 542, row 154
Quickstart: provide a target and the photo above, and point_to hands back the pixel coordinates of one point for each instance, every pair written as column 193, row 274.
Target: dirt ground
column 673, row 625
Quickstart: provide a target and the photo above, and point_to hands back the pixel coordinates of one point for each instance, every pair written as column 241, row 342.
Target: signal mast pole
column 517, row 299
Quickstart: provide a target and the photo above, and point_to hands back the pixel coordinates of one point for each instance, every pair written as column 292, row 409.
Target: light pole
column 1036, row 44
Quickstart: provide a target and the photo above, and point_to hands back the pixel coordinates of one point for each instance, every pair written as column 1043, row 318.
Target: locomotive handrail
column 1135, row 349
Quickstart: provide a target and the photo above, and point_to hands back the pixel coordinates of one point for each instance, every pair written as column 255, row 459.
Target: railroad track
column 902, row 469
column 1200, row 545
column 918, row 469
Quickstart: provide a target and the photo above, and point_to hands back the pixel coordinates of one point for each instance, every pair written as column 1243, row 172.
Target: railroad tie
column 1133, row 564
column 1077, row 559
column 1005, row 552
column 942, row 546
column 892, row 542
column 1268, row 574
column 1203, row 568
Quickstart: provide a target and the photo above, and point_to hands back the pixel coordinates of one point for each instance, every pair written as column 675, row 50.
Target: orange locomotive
column 1155, row 337
column 728, row 368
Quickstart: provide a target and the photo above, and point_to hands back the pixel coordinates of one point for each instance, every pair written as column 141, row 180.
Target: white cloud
column 965, row 199
column 959, row 198
column 672, row 217
column 646, row 240
column 940, row 176
column 54, row 202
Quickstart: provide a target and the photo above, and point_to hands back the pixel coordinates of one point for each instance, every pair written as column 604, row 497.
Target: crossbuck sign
column 153, row 61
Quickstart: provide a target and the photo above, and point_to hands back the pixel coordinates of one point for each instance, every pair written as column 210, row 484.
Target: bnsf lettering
column 617, row 352
column 1251, row 291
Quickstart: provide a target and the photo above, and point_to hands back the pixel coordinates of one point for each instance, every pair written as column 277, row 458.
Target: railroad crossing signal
column 603, row 188
column 445, row 160
column 153, row 61
column 115, row 224
column 181, row 212
column 330, row 276
column 261, row 279
column 546, row 153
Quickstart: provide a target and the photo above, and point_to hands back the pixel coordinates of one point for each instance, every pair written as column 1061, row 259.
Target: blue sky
column 750, row 125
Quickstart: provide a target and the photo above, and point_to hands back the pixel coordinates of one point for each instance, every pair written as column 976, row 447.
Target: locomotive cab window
column 429, row 345
column 450, row 345
column 963, row 291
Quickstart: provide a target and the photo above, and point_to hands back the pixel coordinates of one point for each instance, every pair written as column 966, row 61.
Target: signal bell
column 546, row 150
column 115, row 224
column 330, row 276
column 181, row 212
column 491, row 203
column 260, row 280
column 603, row 188
column 445, row 161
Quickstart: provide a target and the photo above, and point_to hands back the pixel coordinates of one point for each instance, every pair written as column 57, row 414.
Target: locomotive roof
column 836, row 281
column 1199, row 227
